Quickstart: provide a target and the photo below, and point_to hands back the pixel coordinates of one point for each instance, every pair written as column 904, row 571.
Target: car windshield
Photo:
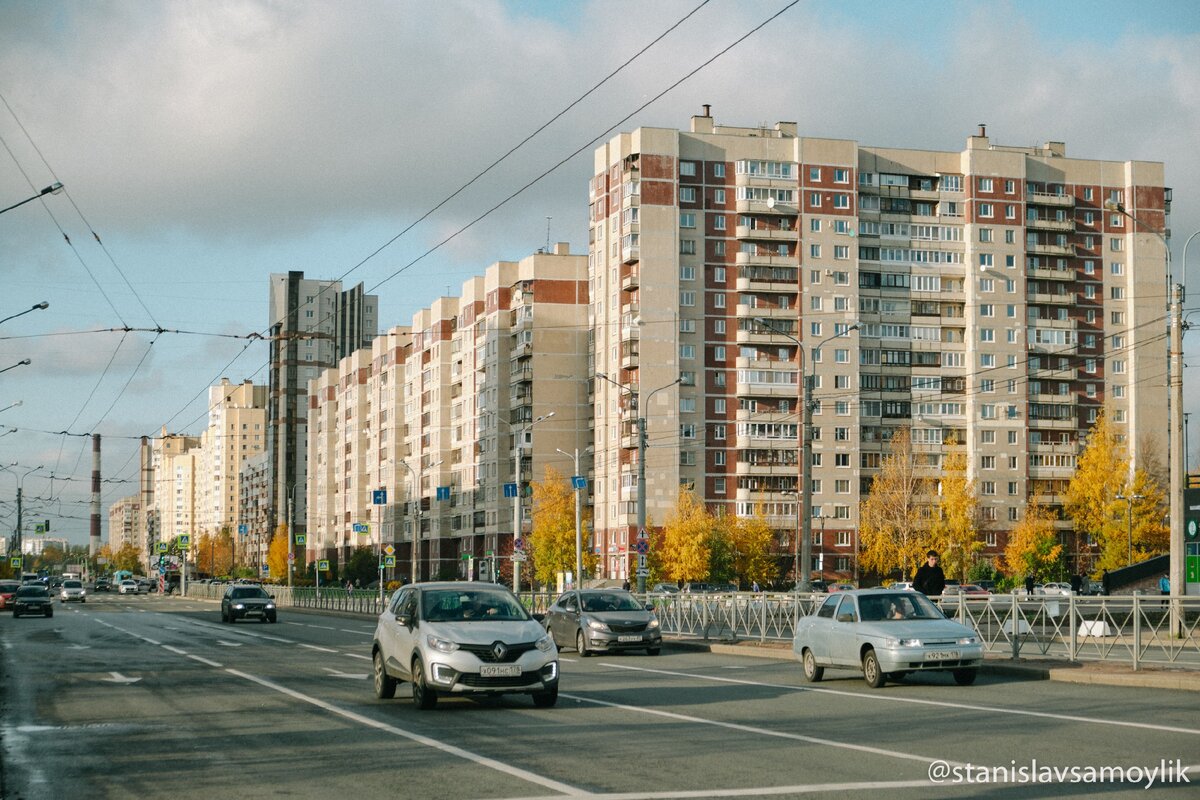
column 898, row 606
column 32, row 591
column 469, row 605
column 248, row 592
column 72, row 585
column 609, row 601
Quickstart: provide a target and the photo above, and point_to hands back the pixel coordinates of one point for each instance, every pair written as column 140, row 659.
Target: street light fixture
column 1129, row 521
column 416, row 537
column 22, row 363
column 53, row 188
column 20, row 487
column 804, row 579
column 578, row 518
column 13, row 405
column 641, row 432
column 42, row 306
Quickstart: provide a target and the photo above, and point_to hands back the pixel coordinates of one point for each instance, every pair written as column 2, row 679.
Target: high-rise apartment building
column 236, row 432
column 993, row 299
column 123, row 517
column 162, row 504
column 254, row 500
column 314, row 324
column 450, row 404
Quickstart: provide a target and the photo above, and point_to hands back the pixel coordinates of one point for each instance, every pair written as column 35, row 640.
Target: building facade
column 992, row 299
column 123, row 518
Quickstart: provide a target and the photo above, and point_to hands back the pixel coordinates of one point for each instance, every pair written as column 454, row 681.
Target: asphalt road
column 148, row 697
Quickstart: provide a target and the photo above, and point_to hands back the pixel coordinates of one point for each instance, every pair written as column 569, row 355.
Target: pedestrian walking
column 625, row 586
column 1076, row 583
column 754, row 587
column 1029, row 584
column 1164, row 588
column 1106, row 583
column 929, row 579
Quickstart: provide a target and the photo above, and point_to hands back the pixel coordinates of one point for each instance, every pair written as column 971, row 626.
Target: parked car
column 901, row 586
column 127, row 586
column 722, row 588
column 145, row 585
column 1063, row 589
column 102, row 585
column 986, row 584
column 597, row 620
column 886, row 635
column 32, row 598
column 840, row 587
column 7, row 590
column 72, row 591
column 664, row 588
column 696, row 587
column 462, row 638
column 242, row 601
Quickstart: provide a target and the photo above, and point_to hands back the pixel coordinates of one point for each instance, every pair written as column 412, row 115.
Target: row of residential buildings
column 996, row 297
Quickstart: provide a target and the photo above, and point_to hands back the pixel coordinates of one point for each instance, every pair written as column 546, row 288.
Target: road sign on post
column 443, row 493
column 301, row 538
column 389, row 561
column 379, row 497
column 323, row 565
column 510, row 490
column 243, row 530
column 578, row 482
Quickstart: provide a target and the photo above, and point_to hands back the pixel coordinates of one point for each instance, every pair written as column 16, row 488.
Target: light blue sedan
column 886, row 634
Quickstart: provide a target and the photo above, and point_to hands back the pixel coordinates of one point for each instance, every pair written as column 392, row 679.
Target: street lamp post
column 25, row 362
column 641, row 434
column 18, row 533
column 53, row 188
column 416, row 478
column 578, row 520
column 38, row 307
column 13, row 405
column 804, row 579
column 517, row 500
column 1129, row 521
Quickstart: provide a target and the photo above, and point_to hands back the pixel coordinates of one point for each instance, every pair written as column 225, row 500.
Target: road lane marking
column 119, row 678
column 362, row 676
column 224, row 643
column 757, row 791
column 358, row 655
column 204, row 660
column 735, row 726
column 915, row 701
column 175, row 650
column 484, row 761
column 318, row 648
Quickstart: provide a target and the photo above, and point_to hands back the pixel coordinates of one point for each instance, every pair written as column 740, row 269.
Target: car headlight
column 545, row 644
column 441, row 645
column 596, row 625
column 239, row 606
column 270, row 606
column 652, row 624
column 894, row 643
column 968, row 640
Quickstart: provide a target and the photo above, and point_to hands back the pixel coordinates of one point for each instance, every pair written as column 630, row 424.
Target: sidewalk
column 1034, row 669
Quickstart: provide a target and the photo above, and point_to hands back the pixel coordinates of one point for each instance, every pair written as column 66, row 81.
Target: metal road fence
column 1128, row 629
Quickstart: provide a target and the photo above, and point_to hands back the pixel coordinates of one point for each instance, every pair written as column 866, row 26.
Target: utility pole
column 291, row 538
column 1176, row 448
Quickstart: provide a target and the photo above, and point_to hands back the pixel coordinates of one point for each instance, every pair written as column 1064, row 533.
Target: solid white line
column 525, row 775
column 734, row 726
column 203, row 660
column 321, row 649
column 915, row 700
column 757, row 791
column 175, row 650
column 358, row 655
column 360, row 633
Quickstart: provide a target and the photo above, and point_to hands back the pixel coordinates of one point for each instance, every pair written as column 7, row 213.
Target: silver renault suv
column 462, row 638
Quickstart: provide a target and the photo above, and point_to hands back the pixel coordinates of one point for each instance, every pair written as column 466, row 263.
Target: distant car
column 127, row 586
column 72, row 591
column 7, row 590
column 840, row 587
column 722, row 588
column 989, row 585
column 603, row 620
column 32, row 598
column 664, row 588
column 902, row 586
column 462, row 638
column 247, row 602
column 1063, row 589
column 147, row 585
column 973, row 590
column 886, row 635
column 102, row 585
column 696, row 587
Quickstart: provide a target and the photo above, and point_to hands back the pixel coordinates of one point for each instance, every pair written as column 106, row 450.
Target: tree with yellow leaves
column 894, row 527
column 954, row 530
column 683, row 547
column 552, row 541
column 753, row 561
column 277, row 553
column 127, row 558
column 1033, row 547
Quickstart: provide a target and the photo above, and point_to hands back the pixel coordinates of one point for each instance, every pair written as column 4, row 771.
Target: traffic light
column 1193, row 480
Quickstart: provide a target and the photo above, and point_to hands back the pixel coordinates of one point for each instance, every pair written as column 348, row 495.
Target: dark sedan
column 247, row 602
column 32, row 598
column 595, row 620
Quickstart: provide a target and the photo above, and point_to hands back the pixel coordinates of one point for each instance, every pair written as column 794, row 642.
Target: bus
column 121, row 575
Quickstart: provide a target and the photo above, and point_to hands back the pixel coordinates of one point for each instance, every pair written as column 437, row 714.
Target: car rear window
column 32, row 591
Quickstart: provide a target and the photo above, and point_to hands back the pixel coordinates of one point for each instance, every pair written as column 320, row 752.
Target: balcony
column 629, row 357
column 522, row 373
column 631, row 279
column 767, row 207
column 1040, row 224
column 781, row 276
column 766, row 312
column 752, row 233
column 765, row 468
column 1046, row 298
column 1067, row 250
column 1050, row 199
column 1051, row 273
column 629, row 436
column 631, row 254
column 743, row 259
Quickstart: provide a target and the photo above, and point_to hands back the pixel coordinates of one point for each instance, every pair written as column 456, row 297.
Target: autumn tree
column 722, row 548
column 1033, row 546
column 127, row 558
column 277, row 552
column 683, row 547
column 552, row 541
column 753, row 560
column 893, row 528
column 214, row 552
column 954, row 530
column 1100, row 475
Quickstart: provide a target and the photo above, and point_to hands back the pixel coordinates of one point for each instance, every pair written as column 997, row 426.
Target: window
column 687, row 194
column 841, row 201
column 814, row 173
column 1117, row 268
column 985, row 210
column 1116, row 244
column 687, row 298
column 987, row 462
column 841, row 176
column 841, row 459
column 719, row 197
column 719, row 353
column 718, row 170
column 719, row 273
column 687, row 169
column 841, row 251
column 814, row 199
column 719, row 222
column 719, row 405
column 814, row 225
column 985, row 234
column 985, row 260
column 687, row 352
column 814, row 250
column 718, row 300
column 687, row 219
column 984, row 184
column 1010, row 187
column 718, row 248
column 687, row 404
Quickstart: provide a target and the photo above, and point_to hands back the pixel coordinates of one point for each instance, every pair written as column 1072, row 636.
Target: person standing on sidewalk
column 929, row 579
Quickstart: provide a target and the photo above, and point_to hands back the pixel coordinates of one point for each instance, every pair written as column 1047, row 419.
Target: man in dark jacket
column 930, row 580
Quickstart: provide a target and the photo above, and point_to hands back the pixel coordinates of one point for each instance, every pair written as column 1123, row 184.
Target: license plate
column 629, row 638
column 500, row 671
column 942, row 655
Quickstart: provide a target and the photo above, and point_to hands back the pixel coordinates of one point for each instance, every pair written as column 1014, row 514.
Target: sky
column 210, row 143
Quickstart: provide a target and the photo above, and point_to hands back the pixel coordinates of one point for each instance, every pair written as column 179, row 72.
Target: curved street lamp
column 42, row 306
column 20, row 487
column 53, row 188
column 25, row 362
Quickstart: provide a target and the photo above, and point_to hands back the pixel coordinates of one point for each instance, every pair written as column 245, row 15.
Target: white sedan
column 1063, row 589
column 127, row 587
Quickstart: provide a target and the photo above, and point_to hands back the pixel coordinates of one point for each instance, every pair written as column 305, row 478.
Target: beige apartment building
column 237, row 431
column 254, row 503
column 167, row 510
column 995, row 296
column 432, row 414
column 123, row 517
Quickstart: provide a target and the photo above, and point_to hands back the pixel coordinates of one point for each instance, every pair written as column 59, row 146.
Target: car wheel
column 15, row 615
column 271, row 619
column 653, row 651
column 871, row 672
column 83, row 599
column 385, row 685
column 49, row 612
column 581, row 645
column 812, row 672
column 546, row 699
column 965, row 677
column 424, row 698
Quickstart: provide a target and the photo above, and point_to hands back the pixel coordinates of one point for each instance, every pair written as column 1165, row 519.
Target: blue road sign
column 642, row 546
column 578, row 482
column 379, row 497
column 510, row 490
column 443, row 493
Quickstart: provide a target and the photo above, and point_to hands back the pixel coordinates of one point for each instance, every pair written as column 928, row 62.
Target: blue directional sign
column 266, row 570
column 243, row 529
column 443, row 493
column 578, row 482
column 510, row 490
column 379, row 497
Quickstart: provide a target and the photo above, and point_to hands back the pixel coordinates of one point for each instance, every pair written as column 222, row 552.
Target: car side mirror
column 403, row 618
column 270, row 597
column 845, row 617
